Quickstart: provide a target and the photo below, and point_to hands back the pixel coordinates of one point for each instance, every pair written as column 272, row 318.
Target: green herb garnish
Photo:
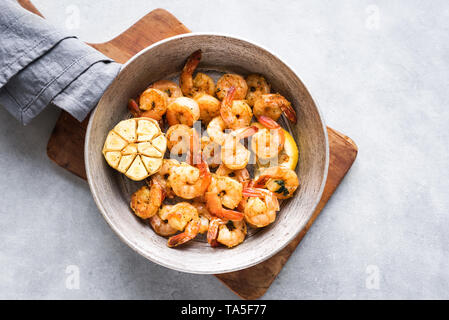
column 282, row 189
column 230, row 225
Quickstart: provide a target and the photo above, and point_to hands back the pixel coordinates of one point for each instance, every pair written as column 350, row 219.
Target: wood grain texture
column 66, row 146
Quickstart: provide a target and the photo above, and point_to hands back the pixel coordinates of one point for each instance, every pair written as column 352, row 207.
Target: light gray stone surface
column 378, row 69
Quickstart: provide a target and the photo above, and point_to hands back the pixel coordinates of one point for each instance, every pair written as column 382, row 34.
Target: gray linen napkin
column 40, row 65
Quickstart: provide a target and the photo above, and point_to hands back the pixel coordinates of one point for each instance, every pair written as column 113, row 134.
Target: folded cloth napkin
column 40, row 65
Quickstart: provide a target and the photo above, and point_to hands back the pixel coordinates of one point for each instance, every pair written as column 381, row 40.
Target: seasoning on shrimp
column 170, row 88
column 230, row 233
column 282, row 181
column 160, row 224
column 235, row 113
column 209, row 107
column 202, row 83
column 146, row 201
column 183, row 217
column 260, row 208
column 217, row 130
column 183, row 111
column 152, row 104
column 273, row 105
column 268, row 141
column 211, row 152
column 257, row 86
column 234, row 154
column 223, row 195
column 231, row 80
column 178, row 138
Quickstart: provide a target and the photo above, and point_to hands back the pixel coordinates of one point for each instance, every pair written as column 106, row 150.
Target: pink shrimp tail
column 226, row 105
column 133, row 107
column 289, row 112
column 212, row 233
column 194, row 156
column 159, row 188
column 270, row 199
column 192, row 62
column 253, row 192
column 273, row 125
column 214, row 206
column 196, row 159
column 261, row 181
column 247, row 132
column 189, row 233
column 268, row 122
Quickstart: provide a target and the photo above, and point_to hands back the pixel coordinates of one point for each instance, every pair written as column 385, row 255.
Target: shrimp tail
column 289, row 112
column 186, row 78
column 261, row 181
column 214, row 206
column 192, row 62
column 226, row 106
column 194, row 155
column 205, row 175
column 189, row 233
column 268, row 122
column 212, row 233
column 253, row 192
column 275, row 127
column 196, row 159
column 246, row 132
column 270, row 199
column 243, row 175
column 133, row 107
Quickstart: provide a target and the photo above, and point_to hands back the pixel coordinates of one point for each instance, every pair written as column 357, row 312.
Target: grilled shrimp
column 269, row 141
column 231, row 80
column 204, row 216
column 257, row 86
column 260, row 208
column 212, row 232
column 234, row 154
column 211, row 152
column 273, row 105
column 282, row 181
column 152, row 104
column 228, row 233
column 162, row 176
column 160, row 224
column 183, row 217
column 178, row 138
column 224, row 192
column 183, row 111
column 235, row 113
column 217, row 130
column 209, row 107
column 201, row 83
column 187, row 181
column 146, row 201
column 241, row 175
column 170, row 88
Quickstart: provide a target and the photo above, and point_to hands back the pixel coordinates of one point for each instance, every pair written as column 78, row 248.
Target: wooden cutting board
column 66, row 146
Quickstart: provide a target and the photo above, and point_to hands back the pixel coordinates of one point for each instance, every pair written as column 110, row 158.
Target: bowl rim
column 139, row 250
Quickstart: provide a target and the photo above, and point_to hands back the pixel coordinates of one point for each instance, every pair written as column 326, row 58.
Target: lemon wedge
column 288, row 157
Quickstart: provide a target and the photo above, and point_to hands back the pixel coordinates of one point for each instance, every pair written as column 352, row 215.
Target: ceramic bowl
column 221, row 53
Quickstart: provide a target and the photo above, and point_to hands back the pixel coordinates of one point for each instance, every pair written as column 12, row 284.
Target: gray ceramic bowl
column 221, row 53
